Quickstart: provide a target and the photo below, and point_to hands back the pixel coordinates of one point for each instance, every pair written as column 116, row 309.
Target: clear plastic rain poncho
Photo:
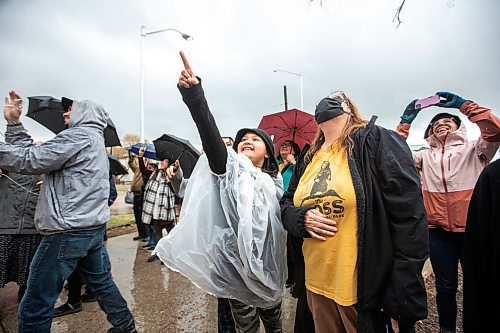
column 230, row 241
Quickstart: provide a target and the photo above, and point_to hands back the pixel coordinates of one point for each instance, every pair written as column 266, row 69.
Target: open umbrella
column 48, row 111
column 150, row 151
column 170, row 147
column 111, row 138
column 115, row 166
column 295, row 125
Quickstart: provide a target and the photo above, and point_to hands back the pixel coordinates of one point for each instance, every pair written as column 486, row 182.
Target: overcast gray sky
column 91, row 50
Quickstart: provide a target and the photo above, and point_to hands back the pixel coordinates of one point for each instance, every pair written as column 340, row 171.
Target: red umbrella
column 293, row 124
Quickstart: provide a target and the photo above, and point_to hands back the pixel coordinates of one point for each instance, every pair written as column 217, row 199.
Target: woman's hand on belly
column 318, row 226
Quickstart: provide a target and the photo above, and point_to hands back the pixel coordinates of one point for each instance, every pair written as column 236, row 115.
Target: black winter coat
column 392, row 227
column 17, row 204
column 481, row 266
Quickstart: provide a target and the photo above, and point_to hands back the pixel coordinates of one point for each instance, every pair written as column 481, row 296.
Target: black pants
column 75, row 284
column 141, row 228
column 158, row 226
column 225, row 321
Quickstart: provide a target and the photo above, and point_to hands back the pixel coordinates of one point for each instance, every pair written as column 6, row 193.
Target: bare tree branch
column 320, row 2
column 397, row 16
column 398, row 13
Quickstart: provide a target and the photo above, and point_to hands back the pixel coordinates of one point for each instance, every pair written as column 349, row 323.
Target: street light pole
column 143, row 35
column 142, row 82
column 301, row 86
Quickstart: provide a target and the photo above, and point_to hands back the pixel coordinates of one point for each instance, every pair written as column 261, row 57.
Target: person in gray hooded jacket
column 71, row 214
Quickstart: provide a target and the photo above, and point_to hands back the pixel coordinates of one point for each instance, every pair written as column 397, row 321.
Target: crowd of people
column 345, row 222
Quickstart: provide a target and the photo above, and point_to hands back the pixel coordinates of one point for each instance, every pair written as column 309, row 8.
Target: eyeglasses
column 442, row 121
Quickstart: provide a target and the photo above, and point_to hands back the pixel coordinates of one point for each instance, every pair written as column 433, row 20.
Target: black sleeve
column 405, row 297
column 146, row 173
column 214, row 147
column 293, row 218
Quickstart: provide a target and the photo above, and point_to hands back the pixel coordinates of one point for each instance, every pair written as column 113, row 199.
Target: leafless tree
column 397, row 16
column 398, row 13
column 130, row 139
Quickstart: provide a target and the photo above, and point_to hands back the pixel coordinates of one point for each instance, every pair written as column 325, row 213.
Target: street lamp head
column 145, row 33
column 284, row 71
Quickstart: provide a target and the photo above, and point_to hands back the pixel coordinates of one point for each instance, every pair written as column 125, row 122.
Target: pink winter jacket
column 450, row 170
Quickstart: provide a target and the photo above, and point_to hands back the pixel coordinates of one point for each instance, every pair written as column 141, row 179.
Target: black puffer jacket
column 392, row 227
column 481, row 248
column 18, row 203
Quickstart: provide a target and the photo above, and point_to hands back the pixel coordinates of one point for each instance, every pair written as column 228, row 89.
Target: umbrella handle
column 181, row 155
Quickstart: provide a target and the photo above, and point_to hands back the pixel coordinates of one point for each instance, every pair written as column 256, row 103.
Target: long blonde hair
column 354, row 123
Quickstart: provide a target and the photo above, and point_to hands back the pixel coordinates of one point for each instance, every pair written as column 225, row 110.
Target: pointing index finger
column 187, row 67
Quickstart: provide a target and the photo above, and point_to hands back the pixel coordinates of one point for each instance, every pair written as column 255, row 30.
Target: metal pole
column 142, row 82
column 301, row 85
column 286, row 98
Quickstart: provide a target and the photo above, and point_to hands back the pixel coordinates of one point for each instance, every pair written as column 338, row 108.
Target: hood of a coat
column 88, row 114
column 457, row 137
column 363, row 132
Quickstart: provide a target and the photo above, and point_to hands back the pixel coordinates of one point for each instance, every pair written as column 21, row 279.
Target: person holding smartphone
column 449, row 171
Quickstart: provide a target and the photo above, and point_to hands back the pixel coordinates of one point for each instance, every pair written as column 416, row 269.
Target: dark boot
column 67, row 308
column 88, row 296
column 130, row 329
column 153, row 257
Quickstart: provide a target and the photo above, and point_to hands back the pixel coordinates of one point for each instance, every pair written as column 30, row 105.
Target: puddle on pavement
column 122, row 253
column 194, row 310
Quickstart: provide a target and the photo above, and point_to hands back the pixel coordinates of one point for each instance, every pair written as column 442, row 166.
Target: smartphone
column 426, row 102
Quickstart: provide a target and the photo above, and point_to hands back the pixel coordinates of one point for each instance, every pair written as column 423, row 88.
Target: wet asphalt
column 160, row 300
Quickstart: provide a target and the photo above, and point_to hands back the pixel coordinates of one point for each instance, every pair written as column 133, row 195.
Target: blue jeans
column 446, row 250
column 75, row 281
column 151, row 234
column 56, row 258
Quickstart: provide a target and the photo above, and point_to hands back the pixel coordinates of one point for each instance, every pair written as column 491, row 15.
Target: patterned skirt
column 16, row 253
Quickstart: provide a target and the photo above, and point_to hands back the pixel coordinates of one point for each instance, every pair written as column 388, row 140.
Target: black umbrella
column 115, row 166
column 170, row 147
column 111, row 138
column 48, row 111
